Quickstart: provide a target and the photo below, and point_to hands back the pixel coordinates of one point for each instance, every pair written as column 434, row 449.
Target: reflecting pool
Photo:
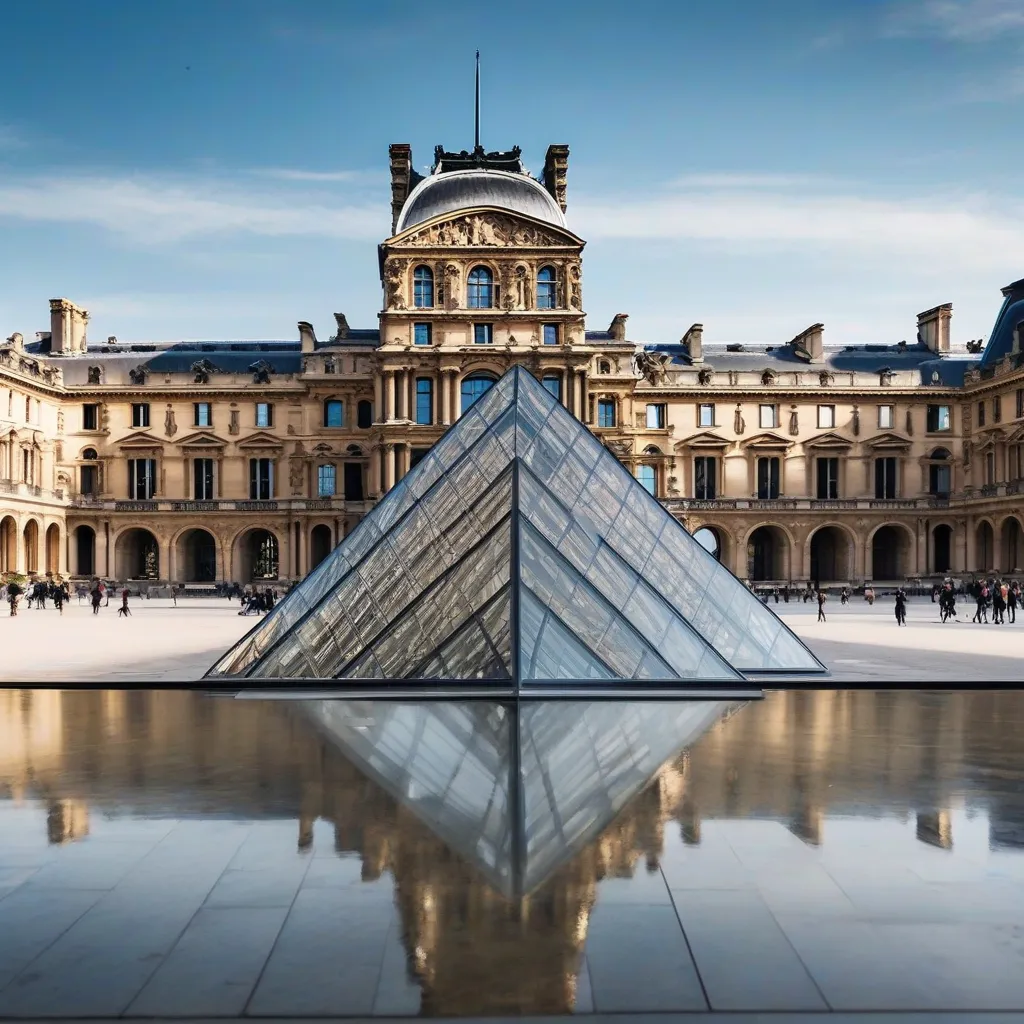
column 173, row 854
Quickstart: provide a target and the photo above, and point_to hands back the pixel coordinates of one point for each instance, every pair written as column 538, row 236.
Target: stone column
column 411, row 402
column 389, row 467
column 921, row 553
column 388, row 412
column 958, row 554
column 443, row 397
column 970, row 546
column 373, row 484
column 303, row 549
column 378, row 399
column 581, row 393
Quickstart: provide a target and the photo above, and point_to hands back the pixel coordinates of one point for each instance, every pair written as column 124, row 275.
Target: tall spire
column 477, row 120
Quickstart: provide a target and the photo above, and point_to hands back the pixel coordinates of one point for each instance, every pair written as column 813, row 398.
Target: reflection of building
column 796, row 757
column 250, row 460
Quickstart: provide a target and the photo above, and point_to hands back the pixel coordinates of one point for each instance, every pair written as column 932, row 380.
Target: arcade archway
column 768, row 555
column 8, row 544
column 1013, row 545
column 85, row 551
column 257, row 556
column 30, row 540
column 831, row 555
column 891, row 550
column 320, row 540
column 942, row 548
column 195, row 558
column 136, row 555
column 984, row 547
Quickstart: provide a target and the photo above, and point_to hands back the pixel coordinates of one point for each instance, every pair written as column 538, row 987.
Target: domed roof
column 450, row 191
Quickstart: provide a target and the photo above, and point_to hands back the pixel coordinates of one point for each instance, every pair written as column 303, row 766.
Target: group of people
column 256, row 601
column 36, row 593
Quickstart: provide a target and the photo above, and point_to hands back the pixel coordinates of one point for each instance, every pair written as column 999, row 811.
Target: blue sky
column 218, row 168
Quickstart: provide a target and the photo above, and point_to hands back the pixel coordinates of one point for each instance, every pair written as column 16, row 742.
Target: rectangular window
column 203, row 415
column 325, row 481
column 768, row 477
column 656, row 416
column 353, row 481
column 705, row 415
column 264, row 414
column 885, row 478
column 88, row 480
column 766, row 417
column 826, row 417
column 90, row 417
column 939, row 418
column 553, row 385
column 828, row 478
column 605, row 412
column 990, row 467
column 141, row 478
column 704, row 477
column 939, row 480
column 550, row 334
column 334, row 413
column 647, row 478
column 483, row 334
column 887, row 417
column 997, row 409
column 981, row 414
column 202, row 479
column 261, row 479
column 140, row 414
column 421, row 334
column 424, row 401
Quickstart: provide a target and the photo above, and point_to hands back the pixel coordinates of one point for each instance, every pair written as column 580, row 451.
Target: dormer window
column 480, row 289
column 546, row 286
column 423, row 288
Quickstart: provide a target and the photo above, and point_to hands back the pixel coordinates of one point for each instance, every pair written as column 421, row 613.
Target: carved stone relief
column 910, row 423
column 451, row 286
column 768, row 377
column 485, row 230
column 794, row 421
column 138, row 375
column 60, row 421
column 739, row 424
column 170, row 427
column 394, row 273
column 575, row 299
column 233, row 422
column 524, row 298
column 295, row 475
column 508, row 293
column 856, row 421
column 95, row 375
column 705, row 376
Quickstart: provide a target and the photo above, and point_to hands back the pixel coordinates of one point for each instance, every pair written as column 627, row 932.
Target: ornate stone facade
column 240, row 461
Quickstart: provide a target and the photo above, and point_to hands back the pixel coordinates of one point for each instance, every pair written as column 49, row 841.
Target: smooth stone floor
column 205, row 918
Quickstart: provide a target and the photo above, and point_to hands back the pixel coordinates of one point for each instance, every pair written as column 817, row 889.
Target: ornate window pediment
column 261, row 439
column 487, row 228
column 141, row 439
column 888, row 441
column 706, row 439
column 829, row 440
column 201, row 439
column 768, row 441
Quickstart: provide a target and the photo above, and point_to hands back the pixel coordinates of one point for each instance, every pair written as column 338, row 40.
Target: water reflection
column 418, row 799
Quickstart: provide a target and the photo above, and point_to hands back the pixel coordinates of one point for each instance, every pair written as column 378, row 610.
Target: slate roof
column 1000, row 342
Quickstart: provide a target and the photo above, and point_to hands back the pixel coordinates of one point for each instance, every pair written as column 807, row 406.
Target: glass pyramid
column 519, row 554
column 518, row 789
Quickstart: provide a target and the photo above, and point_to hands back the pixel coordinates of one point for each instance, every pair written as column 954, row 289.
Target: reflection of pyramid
column 516, row 789
column 519, row 554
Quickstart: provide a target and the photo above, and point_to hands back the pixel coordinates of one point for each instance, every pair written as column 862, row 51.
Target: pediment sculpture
column 486, row 229
column 201, row 370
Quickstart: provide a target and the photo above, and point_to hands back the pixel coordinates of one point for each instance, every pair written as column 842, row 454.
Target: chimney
column 16, row 341
column 811, row 342
column 307, row 336
column 556, row 167
column 401, row 173
column 60, row 326
column 693, row 339
column 933, row 328
column 617, row 328
column 79, row 319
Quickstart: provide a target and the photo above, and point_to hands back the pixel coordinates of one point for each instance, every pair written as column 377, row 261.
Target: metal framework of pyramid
column 519, row 556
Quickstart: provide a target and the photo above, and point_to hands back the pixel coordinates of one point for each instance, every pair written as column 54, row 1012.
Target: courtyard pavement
column 161, row 643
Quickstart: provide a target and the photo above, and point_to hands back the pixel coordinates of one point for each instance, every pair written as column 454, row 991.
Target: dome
column 451, row 191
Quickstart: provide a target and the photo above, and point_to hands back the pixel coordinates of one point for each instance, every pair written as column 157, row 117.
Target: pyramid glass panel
column 520, row 552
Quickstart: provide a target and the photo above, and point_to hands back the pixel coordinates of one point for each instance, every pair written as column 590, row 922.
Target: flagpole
column 477, row 132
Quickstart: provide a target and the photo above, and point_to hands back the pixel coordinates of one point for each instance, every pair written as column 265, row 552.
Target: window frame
column 660, row 415
column 762, row 408
column 480, row 292
column 549, row 330
column 606, row 405
column 142, row 472
column 269, row 407
column 936, row 418
column 826, row 417
column 886, row 481
column 92, row 408
column 326, row 470
column 422, row 287
column 981, row 413
column 197, row 416
column 422, row 333
column 329, row 404
column 486, row 329
column 773, row 477
column 831, row 479
column 705, row 485
column 701, row 407
column 140, row 415
column 651, row 473
column 364, row 414
column 209, row 492
column 256, row 481
column 426, row 393
column 891, row 425
column 547, row 279
column 556, row 378
column 997, row 408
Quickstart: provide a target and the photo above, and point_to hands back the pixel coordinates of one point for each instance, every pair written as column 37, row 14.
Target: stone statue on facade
column 825, row 378
column 705, row 376
column 394, row 272
column 651, row 366
column 295, row 475
column 768, row 377
column 95, row 375
column 233, row 422
column 138, row 375
column 201, row 371
column 739, row 424
column 885, row 375
column 170, row 427
column 261, row 371
column 575, row 299
column 794, row 421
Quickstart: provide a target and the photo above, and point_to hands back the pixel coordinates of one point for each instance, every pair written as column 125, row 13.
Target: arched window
column 546, row 283
column 940, row 475
column 423, row 288
column 89, row 454
column 475, row 387
column 364, row 415
column 939, row 453
column 480, row 288
column 604, row 367
column 645, row 474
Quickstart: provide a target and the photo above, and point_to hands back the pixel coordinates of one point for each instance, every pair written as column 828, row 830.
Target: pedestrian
column 785, row 593
column 174, row 594
column 1012, row 600
column 822, row 598
column 97, row 597
column 901, row 608
column 58, row 599
column 13, row 594
column 124, row 609
column 981, row 597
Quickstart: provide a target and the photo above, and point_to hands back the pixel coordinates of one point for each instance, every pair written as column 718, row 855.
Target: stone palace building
column 200, row 462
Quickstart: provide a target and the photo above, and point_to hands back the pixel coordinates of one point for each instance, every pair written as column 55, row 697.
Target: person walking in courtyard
column 58, row 599
column 901, row 608
column 97, row 598
column 998, row 603
column 822, row 598
column 13, row 594
column 124, row 609
column 1012, row 600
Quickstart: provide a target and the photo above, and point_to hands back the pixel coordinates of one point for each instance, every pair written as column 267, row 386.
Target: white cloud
column 958, row 20
column 729, row 180
column 297, row 174
column 154, row 211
